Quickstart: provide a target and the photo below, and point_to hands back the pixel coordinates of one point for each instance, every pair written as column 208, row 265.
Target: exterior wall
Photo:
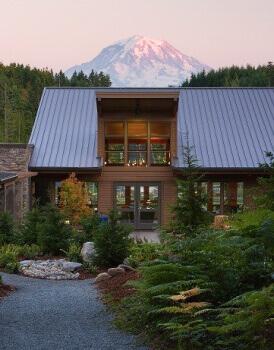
column 15, row 158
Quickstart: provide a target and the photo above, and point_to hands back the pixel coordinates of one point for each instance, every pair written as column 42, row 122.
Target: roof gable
column 64, row 134
column 228, row 127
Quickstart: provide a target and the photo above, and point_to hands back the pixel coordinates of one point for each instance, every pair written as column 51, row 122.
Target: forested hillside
column 21, row 88
column 234, row 76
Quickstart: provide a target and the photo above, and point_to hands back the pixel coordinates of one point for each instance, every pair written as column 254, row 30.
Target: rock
column 114, row 271
column 26, row 263
column 50, row 269
column 71, row 266
column 102, row 277
column 87, row 251
column 126, row 267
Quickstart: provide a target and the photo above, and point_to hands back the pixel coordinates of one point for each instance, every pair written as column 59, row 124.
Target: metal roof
column 7, row 177
column 228, row 127
column 64, row 134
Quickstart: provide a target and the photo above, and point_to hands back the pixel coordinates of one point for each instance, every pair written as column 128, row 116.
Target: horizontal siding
column 168, row 197
column 105, row 197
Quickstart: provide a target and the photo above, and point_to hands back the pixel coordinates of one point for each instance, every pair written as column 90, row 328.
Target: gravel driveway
column 58, row 315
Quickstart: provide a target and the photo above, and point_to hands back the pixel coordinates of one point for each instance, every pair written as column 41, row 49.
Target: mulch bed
column 5, row 290
column 116, row 288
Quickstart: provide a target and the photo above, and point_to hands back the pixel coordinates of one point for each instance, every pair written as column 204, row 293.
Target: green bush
column 29, row 251
column 112, row 241
column 53, row 233
column 7, row 228
column 29, row 231
column 144, row 251
column 190, row 298
column 251, row 219
column 90, row 224
column 8, row 258
column 74, row 252
column 91, row 268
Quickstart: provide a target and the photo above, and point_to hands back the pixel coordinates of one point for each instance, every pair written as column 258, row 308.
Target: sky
column 58, row 34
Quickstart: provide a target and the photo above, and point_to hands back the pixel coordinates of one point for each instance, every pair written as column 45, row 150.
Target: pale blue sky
column 59, row 34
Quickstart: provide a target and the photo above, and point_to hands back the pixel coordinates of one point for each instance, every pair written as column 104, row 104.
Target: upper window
column 137, row 143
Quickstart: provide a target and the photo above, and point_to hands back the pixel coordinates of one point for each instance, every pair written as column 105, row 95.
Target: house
column 126, row 144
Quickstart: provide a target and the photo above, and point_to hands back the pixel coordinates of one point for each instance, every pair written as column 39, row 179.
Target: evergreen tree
column 189, row 212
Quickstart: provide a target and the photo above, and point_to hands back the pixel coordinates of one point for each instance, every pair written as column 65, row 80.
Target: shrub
column 90, row 225
column 91, row 268
column 250, row 219
column 29, row 232
column 8, row 258
column 144, row 251
column 53, row 233
column 74, row 252
column 112, row 241
column 218, row 266
column 29, row 251
column 7, row 228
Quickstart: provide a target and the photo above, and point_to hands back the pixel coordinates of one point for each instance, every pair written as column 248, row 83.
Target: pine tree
column 189, row 213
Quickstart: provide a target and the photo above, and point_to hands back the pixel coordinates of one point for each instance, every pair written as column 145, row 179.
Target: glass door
column 138, row 203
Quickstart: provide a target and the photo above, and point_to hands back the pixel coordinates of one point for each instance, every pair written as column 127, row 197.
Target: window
column 224, row 197
column 114, row 143
column 137, row 143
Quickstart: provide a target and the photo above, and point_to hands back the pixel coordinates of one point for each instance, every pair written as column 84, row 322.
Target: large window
column 137, row 143
column 224, row 197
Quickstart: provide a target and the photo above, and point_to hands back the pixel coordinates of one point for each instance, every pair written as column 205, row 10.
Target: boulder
column 114, row 271
column 87, row 252
column 102, row 277
column 126, row 267
column 70, row 266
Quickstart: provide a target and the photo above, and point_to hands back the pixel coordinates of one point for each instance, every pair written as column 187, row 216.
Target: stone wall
column 15, row 158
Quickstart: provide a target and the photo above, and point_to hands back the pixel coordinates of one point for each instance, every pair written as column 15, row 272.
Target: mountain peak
column 139, row 61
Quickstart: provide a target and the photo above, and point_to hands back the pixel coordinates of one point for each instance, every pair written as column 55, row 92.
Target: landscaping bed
column 114, row 289
column 5, row 290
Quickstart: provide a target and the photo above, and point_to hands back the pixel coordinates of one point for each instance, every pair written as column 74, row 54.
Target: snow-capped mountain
column 142, row 62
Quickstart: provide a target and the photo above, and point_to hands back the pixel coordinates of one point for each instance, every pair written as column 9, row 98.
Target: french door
column 139, row 203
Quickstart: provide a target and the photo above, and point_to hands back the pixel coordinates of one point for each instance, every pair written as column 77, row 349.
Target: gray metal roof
column 6, row 177
column 64, row 134
column 228, row 127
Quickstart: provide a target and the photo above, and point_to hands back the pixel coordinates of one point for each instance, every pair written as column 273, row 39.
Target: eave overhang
column 254, row 171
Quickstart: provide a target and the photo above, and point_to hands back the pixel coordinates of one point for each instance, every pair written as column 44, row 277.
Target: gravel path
column 58, row 315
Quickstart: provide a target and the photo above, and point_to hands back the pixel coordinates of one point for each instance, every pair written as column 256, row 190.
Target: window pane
column 216, row 192
column 162, row 129
column 92, row 188
column 137, row 129
column 137, row 144
column 114, row 145
column 159, row 158
column 114, row 158
column 159, row 144
column 114, row 129
column 124, row 197
column 137, row 159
